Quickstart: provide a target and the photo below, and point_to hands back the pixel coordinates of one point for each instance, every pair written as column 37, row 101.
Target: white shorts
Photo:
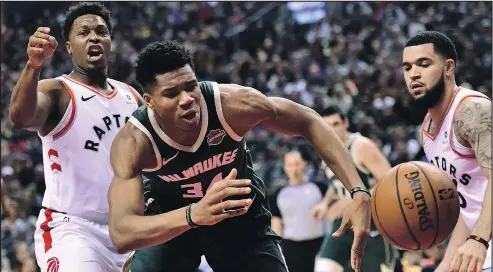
column 66, row 243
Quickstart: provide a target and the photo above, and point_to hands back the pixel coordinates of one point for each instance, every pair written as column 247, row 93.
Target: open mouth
column 94, row 54
column 190, row 115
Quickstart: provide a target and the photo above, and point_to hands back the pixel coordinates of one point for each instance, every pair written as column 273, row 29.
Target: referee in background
column 291, row 208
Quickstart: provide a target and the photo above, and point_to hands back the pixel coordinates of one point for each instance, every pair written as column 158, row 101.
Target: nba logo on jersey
column 215, row 137
column 129, row 99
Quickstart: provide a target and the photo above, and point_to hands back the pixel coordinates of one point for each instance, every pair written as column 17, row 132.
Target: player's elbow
column 17, row 119
column 120, row 242
column 121, row 239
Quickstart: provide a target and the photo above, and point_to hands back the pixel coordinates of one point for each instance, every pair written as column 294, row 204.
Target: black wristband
column 189, row 217
column 479, row 239
column 359, row 189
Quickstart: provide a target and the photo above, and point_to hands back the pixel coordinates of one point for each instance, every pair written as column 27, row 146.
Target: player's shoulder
column 362, row 143
column 471, row 104
column 51, row 86
column 242, row 99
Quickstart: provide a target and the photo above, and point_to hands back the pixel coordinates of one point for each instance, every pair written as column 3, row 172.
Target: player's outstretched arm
column 244, row 108
column 129, row 228
column 32, row 101
column 287, row 117
column 472, row 126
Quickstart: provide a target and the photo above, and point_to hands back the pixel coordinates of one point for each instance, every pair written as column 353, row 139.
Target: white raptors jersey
column 458, row 161
column 76, row 153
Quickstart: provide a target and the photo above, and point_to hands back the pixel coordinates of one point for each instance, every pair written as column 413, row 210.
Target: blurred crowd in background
column 317, row 54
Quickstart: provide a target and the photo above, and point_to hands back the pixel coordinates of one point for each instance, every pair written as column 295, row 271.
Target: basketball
column 415, row 206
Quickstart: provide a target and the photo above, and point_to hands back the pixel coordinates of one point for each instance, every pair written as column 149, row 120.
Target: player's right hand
column 41, row 46
column 211, row 209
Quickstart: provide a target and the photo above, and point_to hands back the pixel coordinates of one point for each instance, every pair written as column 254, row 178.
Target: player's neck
column 437, row 113
column 345, row 138
column 98, row 80
column 186, row 138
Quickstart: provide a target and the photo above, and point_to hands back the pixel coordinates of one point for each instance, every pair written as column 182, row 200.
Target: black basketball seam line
column 436, row 204
column 381, row 225
column 402, row 209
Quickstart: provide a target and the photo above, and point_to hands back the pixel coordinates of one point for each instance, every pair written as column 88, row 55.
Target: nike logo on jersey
column 149, row 201
column 170, row 159
column 85, row 99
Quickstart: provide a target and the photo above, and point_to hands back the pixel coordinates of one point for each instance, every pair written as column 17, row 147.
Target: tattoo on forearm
column 473, row 124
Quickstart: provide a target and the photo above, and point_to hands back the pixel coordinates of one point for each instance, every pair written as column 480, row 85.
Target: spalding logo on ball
column 415, row 206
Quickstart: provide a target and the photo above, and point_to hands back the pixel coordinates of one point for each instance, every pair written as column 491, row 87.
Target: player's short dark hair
column 160, row 58
column 84, row 8
column 331, row 110
column 442, row 44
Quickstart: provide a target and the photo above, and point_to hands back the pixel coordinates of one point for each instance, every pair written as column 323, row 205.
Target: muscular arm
column 284, row 116
column 372, row 158
column 129, row 228
column 32, row 100
column 472, row 126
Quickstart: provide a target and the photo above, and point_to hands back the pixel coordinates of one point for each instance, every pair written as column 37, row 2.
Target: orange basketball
column 415, row 206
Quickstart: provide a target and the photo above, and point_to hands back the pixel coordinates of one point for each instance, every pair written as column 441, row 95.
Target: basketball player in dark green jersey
column 184, row 184
column 370, row 162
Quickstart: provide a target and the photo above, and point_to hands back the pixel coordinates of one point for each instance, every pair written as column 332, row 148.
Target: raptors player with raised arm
column 456, row 136
column 77, row 117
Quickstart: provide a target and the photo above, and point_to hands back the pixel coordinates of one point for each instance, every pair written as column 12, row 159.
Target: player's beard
column 431, row 97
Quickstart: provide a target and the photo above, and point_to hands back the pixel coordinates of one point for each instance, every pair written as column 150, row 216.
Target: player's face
column 424, row 72
column 338, row 124
column 175, row 98
column 89, row 42
column 294, row 165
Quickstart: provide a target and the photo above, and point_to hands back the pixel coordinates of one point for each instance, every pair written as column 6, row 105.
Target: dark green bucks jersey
column 185, row 173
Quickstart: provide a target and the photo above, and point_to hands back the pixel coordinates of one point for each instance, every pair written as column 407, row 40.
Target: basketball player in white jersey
column 456, row 135
column 77, row 117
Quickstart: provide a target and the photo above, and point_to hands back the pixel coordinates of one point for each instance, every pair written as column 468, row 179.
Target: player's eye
column 190, row 87
column 170, row 94
column 83, row 32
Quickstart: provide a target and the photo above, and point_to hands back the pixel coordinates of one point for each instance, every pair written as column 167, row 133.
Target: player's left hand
column 357, row 217
column 469, row 257
column 319, row 211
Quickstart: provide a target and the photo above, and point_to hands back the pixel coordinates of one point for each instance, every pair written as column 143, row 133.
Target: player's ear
column 148, row 100
column 450, row 67
column 69, row 47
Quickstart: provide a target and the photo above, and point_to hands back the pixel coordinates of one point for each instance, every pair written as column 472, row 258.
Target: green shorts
column 378, row 251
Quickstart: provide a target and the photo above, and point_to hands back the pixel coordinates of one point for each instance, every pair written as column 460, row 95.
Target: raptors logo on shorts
column 53, row 264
